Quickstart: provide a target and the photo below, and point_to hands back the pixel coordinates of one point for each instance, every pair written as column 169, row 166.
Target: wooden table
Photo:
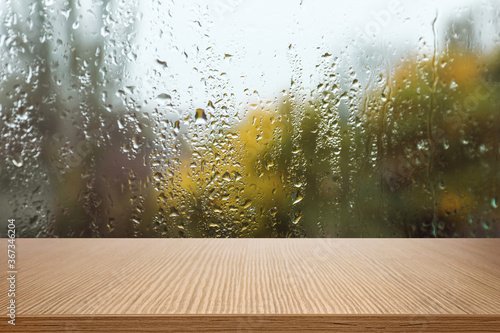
column 242, row 285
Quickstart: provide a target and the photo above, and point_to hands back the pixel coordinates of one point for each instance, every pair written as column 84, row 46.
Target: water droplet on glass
column 177, row 126
column 298, row 198
column 164, row 97
column 173, row 212
column 17, row 161
column 226, row 176
column 200, row 116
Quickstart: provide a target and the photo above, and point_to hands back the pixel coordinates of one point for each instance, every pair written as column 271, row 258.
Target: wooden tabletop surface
column 280, row 285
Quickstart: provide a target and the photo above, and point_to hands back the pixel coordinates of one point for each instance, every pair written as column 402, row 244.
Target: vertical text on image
column 11, row 271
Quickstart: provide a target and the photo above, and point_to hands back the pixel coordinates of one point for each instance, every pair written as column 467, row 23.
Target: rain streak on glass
column 250, row 119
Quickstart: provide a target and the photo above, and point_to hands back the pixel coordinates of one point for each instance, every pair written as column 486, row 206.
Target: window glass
column 232, row 118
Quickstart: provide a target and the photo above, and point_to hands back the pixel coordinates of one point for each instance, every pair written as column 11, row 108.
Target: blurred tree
column 89, row 144
column 440, row 128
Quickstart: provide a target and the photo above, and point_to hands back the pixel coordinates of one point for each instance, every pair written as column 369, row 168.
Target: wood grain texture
column 195, row 285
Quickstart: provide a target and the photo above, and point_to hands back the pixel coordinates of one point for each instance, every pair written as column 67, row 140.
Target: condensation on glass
column 237, row 118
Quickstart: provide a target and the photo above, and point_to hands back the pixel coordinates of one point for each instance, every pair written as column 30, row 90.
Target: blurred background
column 232, row 118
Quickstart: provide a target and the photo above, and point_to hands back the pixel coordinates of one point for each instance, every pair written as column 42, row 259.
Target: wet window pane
column 250, row 118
